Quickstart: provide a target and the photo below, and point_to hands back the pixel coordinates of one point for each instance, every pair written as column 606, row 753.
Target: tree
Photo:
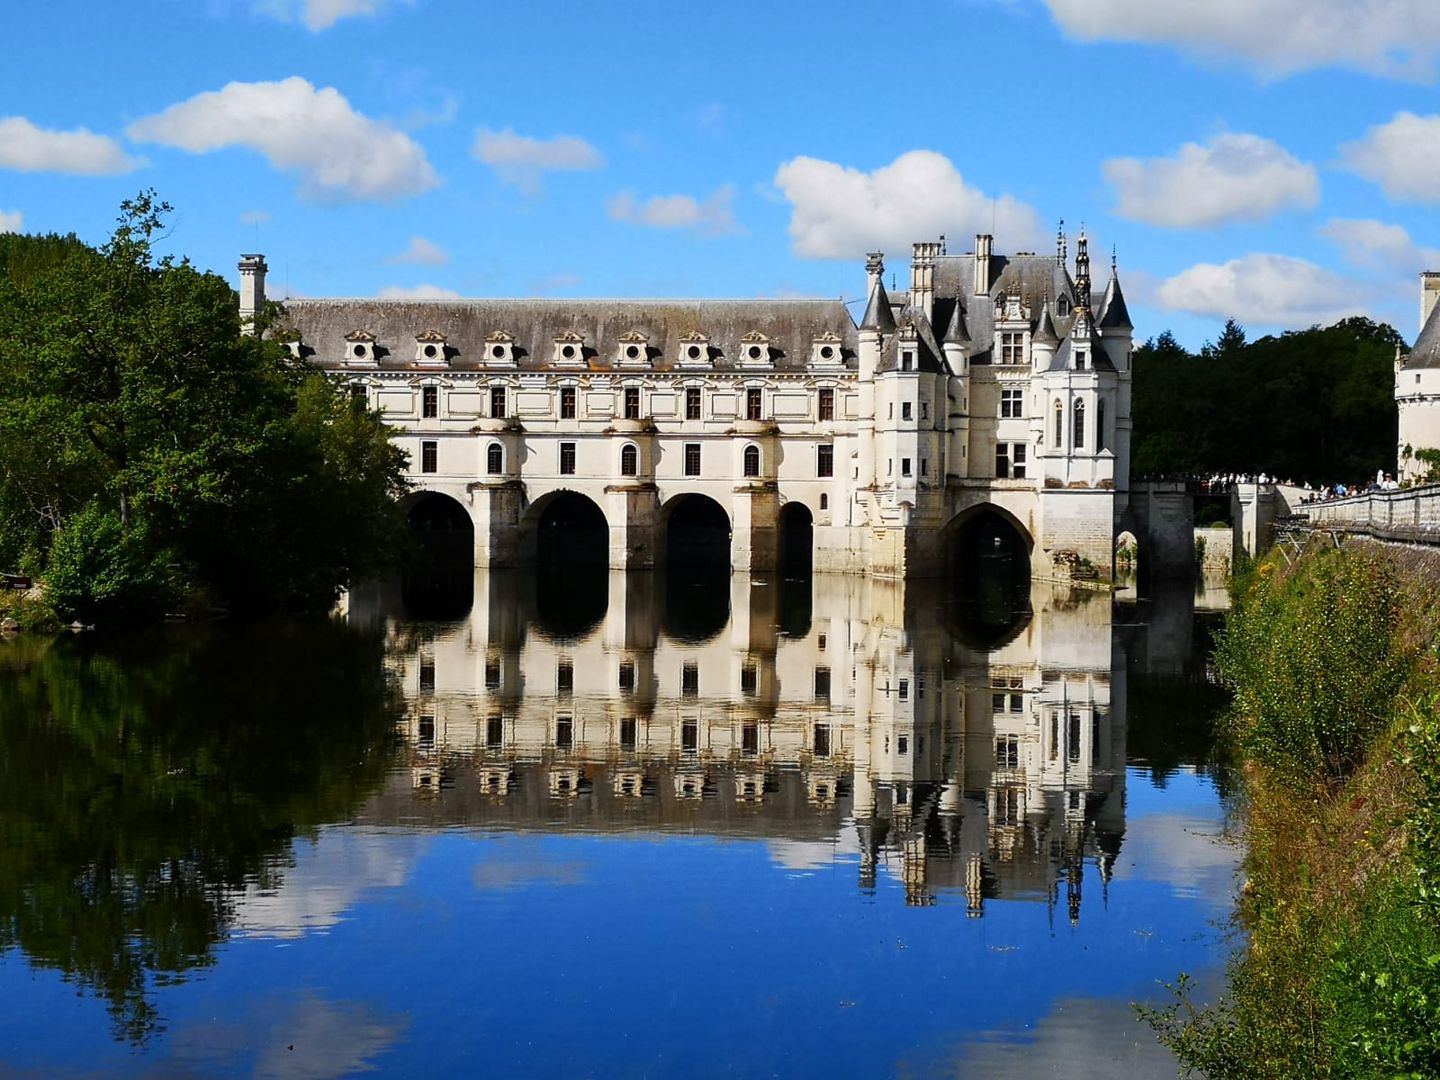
column 128, row 391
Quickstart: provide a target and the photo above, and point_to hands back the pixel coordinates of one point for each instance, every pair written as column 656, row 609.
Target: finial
column 942, row 243
column 1113, row 257
column 1060, row 252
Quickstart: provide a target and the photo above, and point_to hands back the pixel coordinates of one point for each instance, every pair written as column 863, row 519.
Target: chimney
column 874, row 270
column 252, row 290
column 982, row 263
column 922, row 277
column 1429, row 293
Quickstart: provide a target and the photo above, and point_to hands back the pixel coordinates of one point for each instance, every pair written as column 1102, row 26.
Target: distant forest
column 1311, row 405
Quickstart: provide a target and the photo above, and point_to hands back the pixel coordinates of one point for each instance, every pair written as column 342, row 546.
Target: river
column 591, row 823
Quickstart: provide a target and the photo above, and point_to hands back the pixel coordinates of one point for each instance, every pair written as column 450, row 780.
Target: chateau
column 985, row 408
column 1417, row 386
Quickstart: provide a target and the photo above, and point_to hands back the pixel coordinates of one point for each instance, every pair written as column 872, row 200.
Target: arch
column 987, row 552
column 494, row 459
column 1059, row 425
column 629, row 460
column 797, row 539
column 1077, row 432
column 568, row 528
column 697, row 532
column 438, row 582
column 1127, row 558
column 751, row 463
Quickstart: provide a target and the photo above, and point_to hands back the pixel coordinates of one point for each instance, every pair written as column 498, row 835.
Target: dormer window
column 570, row 348
column 634, row 348
column 1080, row 360
column 430, row 347
column 755, row 350
column 825, row 351
column 694, row 350
column 294, row 346
column 359, row 347
column 1012, row 347
column 1062, row 305
column 500, row 348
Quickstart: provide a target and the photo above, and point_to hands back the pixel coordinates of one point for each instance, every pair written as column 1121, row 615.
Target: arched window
column 752, row 461
column 494, row 459
column 1100, row 443
column 824, row 501
column 1059, row 424
column 1077, row 436
column 629, row 460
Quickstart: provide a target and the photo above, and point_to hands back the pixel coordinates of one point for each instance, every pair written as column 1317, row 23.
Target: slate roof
column 1036, row 277
column 1113, row 313
column 1425, row 353
column 791, row 327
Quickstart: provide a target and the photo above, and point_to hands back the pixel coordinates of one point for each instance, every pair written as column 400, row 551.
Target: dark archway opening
column 697, row 569
column 797, row 540
column 439, row 580
column 572, row 553
column 988, row 558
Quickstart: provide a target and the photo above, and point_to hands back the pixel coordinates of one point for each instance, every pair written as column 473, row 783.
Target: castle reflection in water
column 971, row 751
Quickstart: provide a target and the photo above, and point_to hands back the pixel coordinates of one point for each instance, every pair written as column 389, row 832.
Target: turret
column 252, row 290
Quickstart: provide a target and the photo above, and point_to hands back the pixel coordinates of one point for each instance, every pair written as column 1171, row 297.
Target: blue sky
column 1278, row 160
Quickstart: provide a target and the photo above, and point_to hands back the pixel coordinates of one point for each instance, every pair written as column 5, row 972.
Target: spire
column 878, row 315
column 1061, row 247
column 1113, row 313
column 1045, row 331
column 1082, row 269
column 957, row 333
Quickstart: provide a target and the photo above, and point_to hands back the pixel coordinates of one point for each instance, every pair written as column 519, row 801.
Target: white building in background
column 1417, row 386
column 992, row 394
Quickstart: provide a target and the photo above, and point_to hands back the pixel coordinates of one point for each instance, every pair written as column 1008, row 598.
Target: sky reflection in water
column 599, row 899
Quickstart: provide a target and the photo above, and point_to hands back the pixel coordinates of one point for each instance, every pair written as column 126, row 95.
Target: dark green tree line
column 1311, row 405
column 149, row 449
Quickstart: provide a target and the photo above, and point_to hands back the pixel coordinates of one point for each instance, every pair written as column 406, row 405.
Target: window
column 692, row 459
column 492, row 674
column 907, row 360
column 750, row 738
column 825, row 460
column 754, row 404
column 689, row 736
column 822, row 740
column 1012, row 348
column 1007, row 751
column 632, row 403
column 904, row 466
column 1012, row 403
column 902, row 745
column 752, row 461
column 627, row 733
column 824, row 501
column 825, row 405
column 567, row 459
column 692, row 403
column 822, row 684
column 924, row 466
column 1018, row 453
column 907, row 410
column 359, row 393
column 494, row 459
column 627, row 676
column 629, row 461
column 904, row 693
column 1072, row 738
column 924, row 410
column 1100, row 441
column 690, row 679
column 494, row 731
column 427, row 732
column 820, row 642
column 567, row 403
column 427, row 676
column 564, row 732
column 497, row 401
column 1059, row 423
column 430, row 402
column 1002, row 461
column 1077, row 438
column 747, row 680
column 429, row 457
column 565, row 678
column 1080, row 360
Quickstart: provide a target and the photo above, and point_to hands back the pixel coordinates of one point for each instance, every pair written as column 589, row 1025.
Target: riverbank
column 1333, row 663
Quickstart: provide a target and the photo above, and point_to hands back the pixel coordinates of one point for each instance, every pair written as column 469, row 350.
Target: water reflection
column 972, row 746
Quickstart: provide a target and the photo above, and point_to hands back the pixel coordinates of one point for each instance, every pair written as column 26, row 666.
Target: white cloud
column 340, row 154
column 417, row 292
column 1402, row 156
column 713, row 215
column 421, row 252
column 1398, row 38
column 1233, row 177
column 27, row 148
column 841, row 213
column 1374, row 245
column 1269, row 290
column 322, row 14
column 522, row 160
column 11, row 221
column 254, row 217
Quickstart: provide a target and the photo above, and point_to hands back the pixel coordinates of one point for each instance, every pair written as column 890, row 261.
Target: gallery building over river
column 984, row 408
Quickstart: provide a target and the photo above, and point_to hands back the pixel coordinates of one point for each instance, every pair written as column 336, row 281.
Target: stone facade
column 992, row 389
column 1417, row 386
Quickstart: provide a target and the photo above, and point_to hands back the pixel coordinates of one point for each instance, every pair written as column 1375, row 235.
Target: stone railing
column 1412, row 515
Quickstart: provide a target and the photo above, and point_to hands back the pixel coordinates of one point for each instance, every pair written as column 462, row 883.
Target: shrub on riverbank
column 1332, row 662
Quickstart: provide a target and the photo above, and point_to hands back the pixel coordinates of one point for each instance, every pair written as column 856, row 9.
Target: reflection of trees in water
column 145, row 778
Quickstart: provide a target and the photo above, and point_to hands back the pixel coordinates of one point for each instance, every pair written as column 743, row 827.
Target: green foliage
column 101, row 572
column 127, row 387
column 1315, row 663
column 1313, row 404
